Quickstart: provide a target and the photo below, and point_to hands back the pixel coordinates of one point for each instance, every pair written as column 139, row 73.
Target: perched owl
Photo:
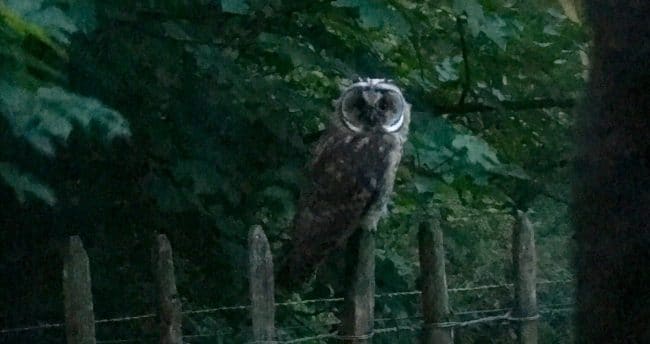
column 351, row 174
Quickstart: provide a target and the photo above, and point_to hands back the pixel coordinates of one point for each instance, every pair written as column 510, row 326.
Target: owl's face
column 373, row 105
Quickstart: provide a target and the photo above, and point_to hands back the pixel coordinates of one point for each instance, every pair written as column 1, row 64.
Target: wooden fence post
column 261, row 286
column 525, row 266
column 77, row 294
column 169, row 303
column 357, row 322
column 435, row 300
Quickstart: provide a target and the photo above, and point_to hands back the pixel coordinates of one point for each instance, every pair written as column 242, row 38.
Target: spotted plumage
column 351, row 174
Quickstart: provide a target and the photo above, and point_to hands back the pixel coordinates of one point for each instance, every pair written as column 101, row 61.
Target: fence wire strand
column 410, row 327
column 31, row 328
column 125, row 318
column 279, row 304
column 119, row 341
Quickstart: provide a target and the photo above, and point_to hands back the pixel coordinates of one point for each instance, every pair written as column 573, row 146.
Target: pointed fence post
column 169, row 303
column 435, row 300
column 261, row 286
column 357, row 321
column 77, row 294
column 525, row 265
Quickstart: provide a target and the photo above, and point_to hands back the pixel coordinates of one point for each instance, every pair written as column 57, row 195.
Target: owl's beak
column 371, row 97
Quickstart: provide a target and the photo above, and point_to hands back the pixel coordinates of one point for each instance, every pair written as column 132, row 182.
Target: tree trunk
column 612, row 188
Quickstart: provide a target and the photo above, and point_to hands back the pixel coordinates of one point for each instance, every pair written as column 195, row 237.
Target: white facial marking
column 395, row 127
column 377, row 84
column 350, row 125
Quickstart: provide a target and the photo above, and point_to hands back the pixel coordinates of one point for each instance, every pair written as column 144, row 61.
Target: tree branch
column 467, row 77
column 510, row 105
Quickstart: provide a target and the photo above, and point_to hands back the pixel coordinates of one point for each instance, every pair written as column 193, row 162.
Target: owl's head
column 373, row 105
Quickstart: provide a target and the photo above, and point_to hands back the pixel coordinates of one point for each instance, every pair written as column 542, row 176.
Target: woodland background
column 194, row 118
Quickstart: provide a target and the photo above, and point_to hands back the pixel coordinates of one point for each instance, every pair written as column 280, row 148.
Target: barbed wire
column 397, row 328
column 119, row 341
column 414, row 327
column 126, row 318
column 308, row 339
column 206, row 335
column 336, row 335
column 419, row 316
column 481, row 311
column 411, row 327
column 484, row 320
column 31, row 328
column 304, row 302
column 279, row 304
column 217, row 309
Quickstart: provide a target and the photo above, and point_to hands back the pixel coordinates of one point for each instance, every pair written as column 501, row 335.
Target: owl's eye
column 385, row 104
column 359, row 103
column 352, row 102
column 393, row 101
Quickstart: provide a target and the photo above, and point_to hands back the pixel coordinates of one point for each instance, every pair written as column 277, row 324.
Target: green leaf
column 425, row 184
column 14, row 29
column 58, row 24
column 477, row 151
column 235, row 6
column 474, row 12
column 442, row 149
column 299, row 54
column 478, row 22
column 448, row 69
column 493, row 29
column 51, row 113
column 377, row 14
column 25, row 184
column 83, row 14
column 24, row 7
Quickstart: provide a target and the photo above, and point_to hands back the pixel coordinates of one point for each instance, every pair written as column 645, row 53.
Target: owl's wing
column 346, row 176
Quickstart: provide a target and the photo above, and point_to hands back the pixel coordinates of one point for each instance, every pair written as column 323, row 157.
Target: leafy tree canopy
column 195, row 117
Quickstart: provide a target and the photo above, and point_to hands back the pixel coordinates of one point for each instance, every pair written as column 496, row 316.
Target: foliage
column 35, row 109
column 223, row 100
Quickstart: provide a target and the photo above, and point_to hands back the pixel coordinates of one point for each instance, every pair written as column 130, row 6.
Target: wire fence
column 382, row 330
column 419, row 325
column 505, row 315
column 410, row 327
column 278, row 304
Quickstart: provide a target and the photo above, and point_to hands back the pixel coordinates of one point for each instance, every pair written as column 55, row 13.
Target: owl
column 351, row 174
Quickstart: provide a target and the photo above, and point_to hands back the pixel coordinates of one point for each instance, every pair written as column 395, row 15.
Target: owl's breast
column 389, row 148
column 357, row 159
column 356, row 170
